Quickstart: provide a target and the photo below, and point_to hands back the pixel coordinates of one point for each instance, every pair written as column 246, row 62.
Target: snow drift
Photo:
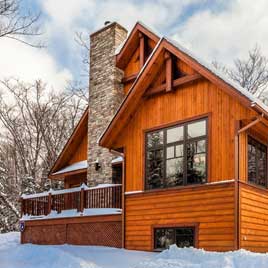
column 197, row 258
column 14, row 255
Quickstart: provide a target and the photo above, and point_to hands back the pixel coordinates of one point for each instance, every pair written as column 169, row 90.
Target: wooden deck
column 78, row 198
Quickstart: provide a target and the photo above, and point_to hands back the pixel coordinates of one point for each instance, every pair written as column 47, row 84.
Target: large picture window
column 257, row 159
column 181, row 236
column 177, row 155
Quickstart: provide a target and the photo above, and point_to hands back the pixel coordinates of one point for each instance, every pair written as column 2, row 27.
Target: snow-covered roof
column 218, row 73
column 253, row 99
column 72, row 167
column 118, row 159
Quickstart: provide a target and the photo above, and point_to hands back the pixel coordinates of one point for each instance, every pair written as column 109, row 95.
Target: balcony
column 105, row 198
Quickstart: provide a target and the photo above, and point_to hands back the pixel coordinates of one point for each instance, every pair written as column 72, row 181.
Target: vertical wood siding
column 80, row 153
column 185, row 103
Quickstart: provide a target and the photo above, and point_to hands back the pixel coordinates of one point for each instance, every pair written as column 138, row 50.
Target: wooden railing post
column 82, row 194
column 49, row 201
column 21, row 206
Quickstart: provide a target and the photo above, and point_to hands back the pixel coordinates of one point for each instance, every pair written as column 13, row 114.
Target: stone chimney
column 105, row 95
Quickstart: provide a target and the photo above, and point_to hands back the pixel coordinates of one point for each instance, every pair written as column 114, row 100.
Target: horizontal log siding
column 212, row 207
column 253, row 218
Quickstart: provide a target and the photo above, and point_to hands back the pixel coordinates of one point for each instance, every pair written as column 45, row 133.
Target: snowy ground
column 14, row 255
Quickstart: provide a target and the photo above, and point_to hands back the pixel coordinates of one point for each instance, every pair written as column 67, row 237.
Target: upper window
column 257, row 159
column 177, row 155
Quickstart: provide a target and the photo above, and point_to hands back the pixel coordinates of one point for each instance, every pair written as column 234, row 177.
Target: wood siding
column 211, row 208
column 80, row 153
column 189, row 101
column 253, row 218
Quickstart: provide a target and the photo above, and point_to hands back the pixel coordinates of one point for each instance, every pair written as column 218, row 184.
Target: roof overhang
column 71, row 144
column 75, row 168
column 142, row 81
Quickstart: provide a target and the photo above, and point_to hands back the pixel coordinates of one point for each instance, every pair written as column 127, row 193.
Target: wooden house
column 194, row 149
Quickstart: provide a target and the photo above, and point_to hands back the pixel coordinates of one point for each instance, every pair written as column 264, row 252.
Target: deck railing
column 80, row 198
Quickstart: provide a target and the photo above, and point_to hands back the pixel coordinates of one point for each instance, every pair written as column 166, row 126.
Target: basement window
column 257, row 162
column 177, row 155
column 181, row 236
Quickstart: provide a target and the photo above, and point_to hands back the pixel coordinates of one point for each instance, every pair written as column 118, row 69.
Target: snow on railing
column 101, row 196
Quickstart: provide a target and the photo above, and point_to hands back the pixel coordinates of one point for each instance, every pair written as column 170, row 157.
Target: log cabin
column 172, row 152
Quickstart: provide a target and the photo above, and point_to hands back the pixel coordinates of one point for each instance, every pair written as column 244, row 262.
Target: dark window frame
column 115, row 168
column 193, row 226
column 184, row 142
column 257, row 143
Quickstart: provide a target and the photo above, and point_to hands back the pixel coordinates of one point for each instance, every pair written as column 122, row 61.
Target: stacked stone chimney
column 105, row 96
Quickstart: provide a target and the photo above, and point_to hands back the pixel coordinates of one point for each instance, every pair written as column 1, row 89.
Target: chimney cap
column 110, row 24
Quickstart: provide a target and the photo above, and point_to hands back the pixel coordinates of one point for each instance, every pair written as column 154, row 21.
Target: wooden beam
column 251, row 124
column 169, row 71
column 178, row 82
column 129, row 78
column 142, row 49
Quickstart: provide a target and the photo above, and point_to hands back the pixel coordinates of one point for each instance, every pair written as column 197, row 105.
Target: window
column 181, row 236
column 117, row 174
column 257, row 159
column 177, row 155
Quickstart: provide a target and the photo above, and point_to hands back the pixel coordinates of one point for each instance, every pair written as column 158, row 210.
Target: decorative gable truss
column 168, row 68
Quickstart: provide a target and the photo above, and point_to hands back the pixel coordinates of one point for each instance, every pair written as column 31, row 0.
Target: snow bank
column 14, row 255
column 197, row 258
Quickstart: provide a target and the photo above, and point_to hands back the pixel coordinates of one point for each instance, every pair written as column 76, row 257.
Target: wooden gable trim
column 175, row 83
column 213, row 78
column 141, row 84
column 169, row 71
column 142, row 49
column 63, row 158
column 135, row 38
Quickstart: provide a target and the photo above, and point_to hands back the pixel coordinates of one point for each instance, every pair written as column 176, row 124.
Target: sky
column 221, row 30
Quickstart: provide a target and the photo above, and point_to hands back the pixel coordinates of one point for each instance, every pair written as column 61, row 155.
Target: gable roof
column 71, row 145
column 141, row 83
column 127, row 48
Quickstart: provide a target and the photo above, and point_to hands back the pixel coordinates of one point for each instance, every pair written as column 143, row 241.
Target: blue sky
column 213, row 29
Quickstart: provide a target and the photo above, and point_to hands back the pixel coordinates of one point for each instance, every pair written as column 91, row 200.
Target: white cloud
column 223, row 34
column 29, row 64
column 228, row 34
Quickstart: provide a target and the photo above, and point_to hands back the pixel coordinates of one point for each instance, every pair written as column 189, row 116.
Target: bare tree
column 15, row 24
column 251, row 73
column 82, row 40
column 35, row 124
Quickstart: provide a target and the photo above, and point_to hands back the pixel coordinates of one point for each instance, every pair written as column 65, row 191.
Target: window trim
column 190, row 120
column 193, row 225
column 255, row 139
